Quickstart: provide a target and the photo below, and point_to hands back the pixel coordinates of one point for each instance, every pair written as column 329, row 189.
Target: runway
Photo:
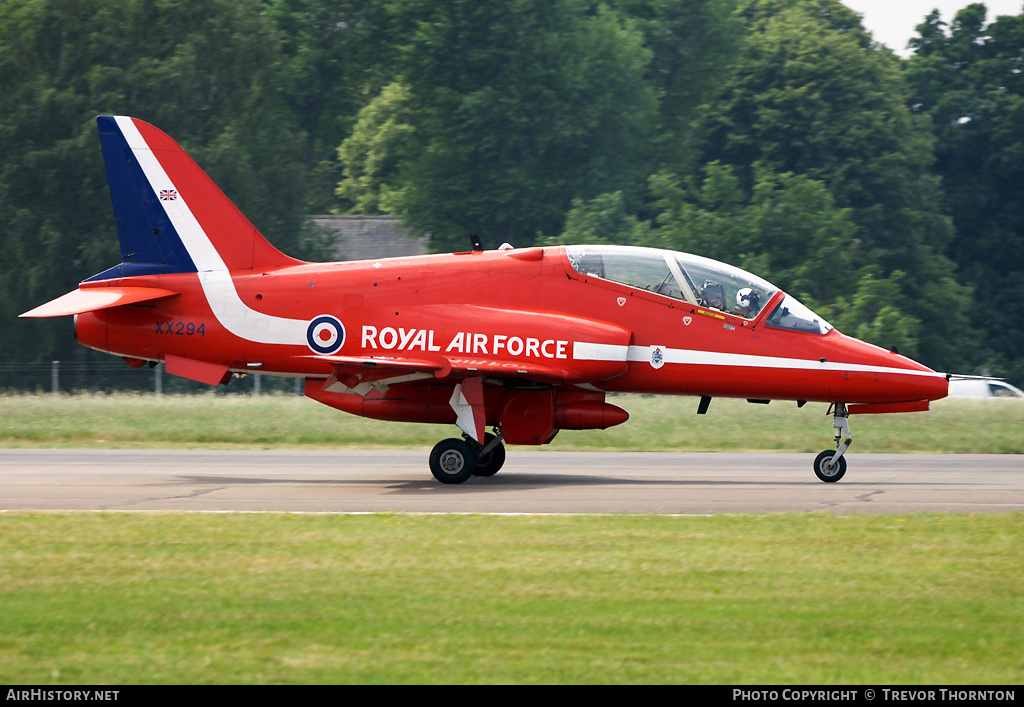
column 530, row 482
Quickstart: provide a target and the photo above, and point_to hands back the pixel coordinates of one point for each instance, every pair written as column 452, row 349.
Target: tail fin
column 171, row 217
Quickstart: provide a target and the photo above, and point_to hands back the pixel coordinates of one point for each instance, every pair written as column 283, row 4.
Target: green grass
column 656, row 424
column 277, row 598
column 265, row 598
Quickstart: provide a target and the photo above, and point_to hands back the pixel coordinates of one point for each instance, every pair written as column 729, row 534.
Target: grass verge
column 276, row 598
column 656, row 424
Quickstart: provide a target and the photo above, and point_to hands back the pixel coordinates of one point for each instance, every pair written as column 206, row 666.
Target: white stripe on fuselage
column 219, row 288
column 642, row 354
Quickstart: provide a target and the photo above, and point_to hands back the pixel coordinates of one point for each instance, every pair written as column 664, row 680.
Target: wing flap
column 93, row 298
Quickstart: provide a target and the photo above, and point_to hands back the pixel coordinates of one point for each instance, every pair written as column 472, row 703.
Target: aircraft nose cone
column 919, row 382
column 937, row 388
column 879, row 376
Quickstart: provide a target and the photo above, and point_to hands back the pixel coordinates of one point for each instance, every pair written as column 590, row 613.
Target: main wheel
column 452, row 461
column 825, row 470
column 488, row 464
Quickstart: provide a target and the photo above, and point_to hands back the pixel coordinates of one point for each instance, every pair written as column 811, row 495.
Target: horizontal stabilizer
column 93, row 298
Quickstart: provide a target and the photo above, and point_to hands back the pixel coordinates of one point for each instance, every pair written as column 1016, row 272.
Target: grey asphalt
column 530, row 482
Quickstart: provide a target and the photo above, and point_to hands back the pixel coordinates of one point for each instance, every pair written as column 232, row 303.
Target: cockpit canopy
column 693, row 279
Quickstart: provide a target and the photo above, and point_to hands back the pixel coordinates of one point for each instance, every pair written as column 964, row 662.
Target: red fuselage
column 526, row 341
column 511, row 308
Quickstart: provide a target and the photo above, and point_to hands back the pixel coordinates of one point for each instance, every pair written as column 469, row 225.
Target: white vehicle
column 983, row 388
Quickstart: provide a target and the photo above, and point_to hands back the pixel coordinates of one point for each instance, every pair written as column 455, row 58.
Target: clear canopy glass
column 791, row 314
column 691, row 278
column 682, row 276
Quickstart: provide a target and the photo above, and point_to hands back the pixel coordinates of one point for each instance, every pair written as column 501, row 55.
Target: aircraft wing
column 468, row 368
column 92, row 298
column 359, row 374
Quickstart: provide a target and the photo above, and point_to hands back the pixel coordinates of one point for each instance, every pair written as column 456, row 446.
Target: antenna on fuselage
column 475, row 240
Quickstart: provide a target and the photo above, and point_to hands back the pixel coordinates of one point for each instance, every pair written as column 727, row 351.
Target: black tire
column 489, row 464
column 452, row 461
column 826, row 472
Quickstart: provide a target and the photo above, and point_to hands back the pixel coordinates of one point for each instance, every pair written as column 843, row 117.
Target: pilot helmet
column 748, row 300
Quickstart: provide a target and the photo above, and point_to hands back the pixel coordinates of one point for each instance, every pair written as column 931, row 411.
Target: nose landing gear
column 830, row 466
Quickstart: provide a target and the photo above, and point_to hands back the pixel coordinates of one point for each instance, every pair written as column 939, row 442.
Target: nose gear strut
column 830, row 466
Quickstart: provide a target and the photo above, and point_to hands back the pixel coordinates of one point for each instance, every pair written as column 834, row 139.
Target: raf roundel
column 325, row 334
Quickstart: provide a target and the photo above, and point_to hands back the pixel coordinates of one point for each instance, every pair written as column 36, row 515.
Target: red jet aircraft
column 524, row 341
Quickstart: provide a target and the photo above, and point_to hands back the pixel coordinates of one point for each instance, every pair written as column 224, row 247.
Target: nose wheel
column 830, row 466
column 828, row 470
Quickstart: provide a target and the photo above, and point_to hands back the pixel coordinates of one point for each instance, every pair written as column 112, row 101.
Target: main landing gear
column 829, row 466
column 453, row 461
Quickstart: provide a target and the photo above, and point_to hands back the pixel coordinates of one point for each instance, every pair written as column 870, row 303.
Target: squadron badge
column 657, row 357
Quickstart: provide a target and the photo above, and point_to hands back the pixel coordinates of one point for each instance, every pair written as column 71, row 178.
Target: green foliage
column 772, row 134
column 207, row 72
column 969, row 82
column 873, row 313
column 333, row 55
column 787, row 228
column 602, row 220
column 693, row 44
column 810, row 95
column 381, row 142
column 514, row 109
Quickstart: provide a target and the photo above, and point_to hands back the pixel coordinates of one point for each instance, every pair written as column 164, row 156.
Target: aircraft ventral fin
column 90, row 299
column 202, row 371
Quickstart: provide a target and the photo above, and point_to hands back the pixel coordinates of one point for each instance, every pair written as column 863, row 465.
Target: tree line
column 772, row 134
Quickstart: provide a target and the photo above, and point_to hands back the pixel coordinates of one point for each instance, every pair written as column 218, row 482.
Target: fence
column 112, row 375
